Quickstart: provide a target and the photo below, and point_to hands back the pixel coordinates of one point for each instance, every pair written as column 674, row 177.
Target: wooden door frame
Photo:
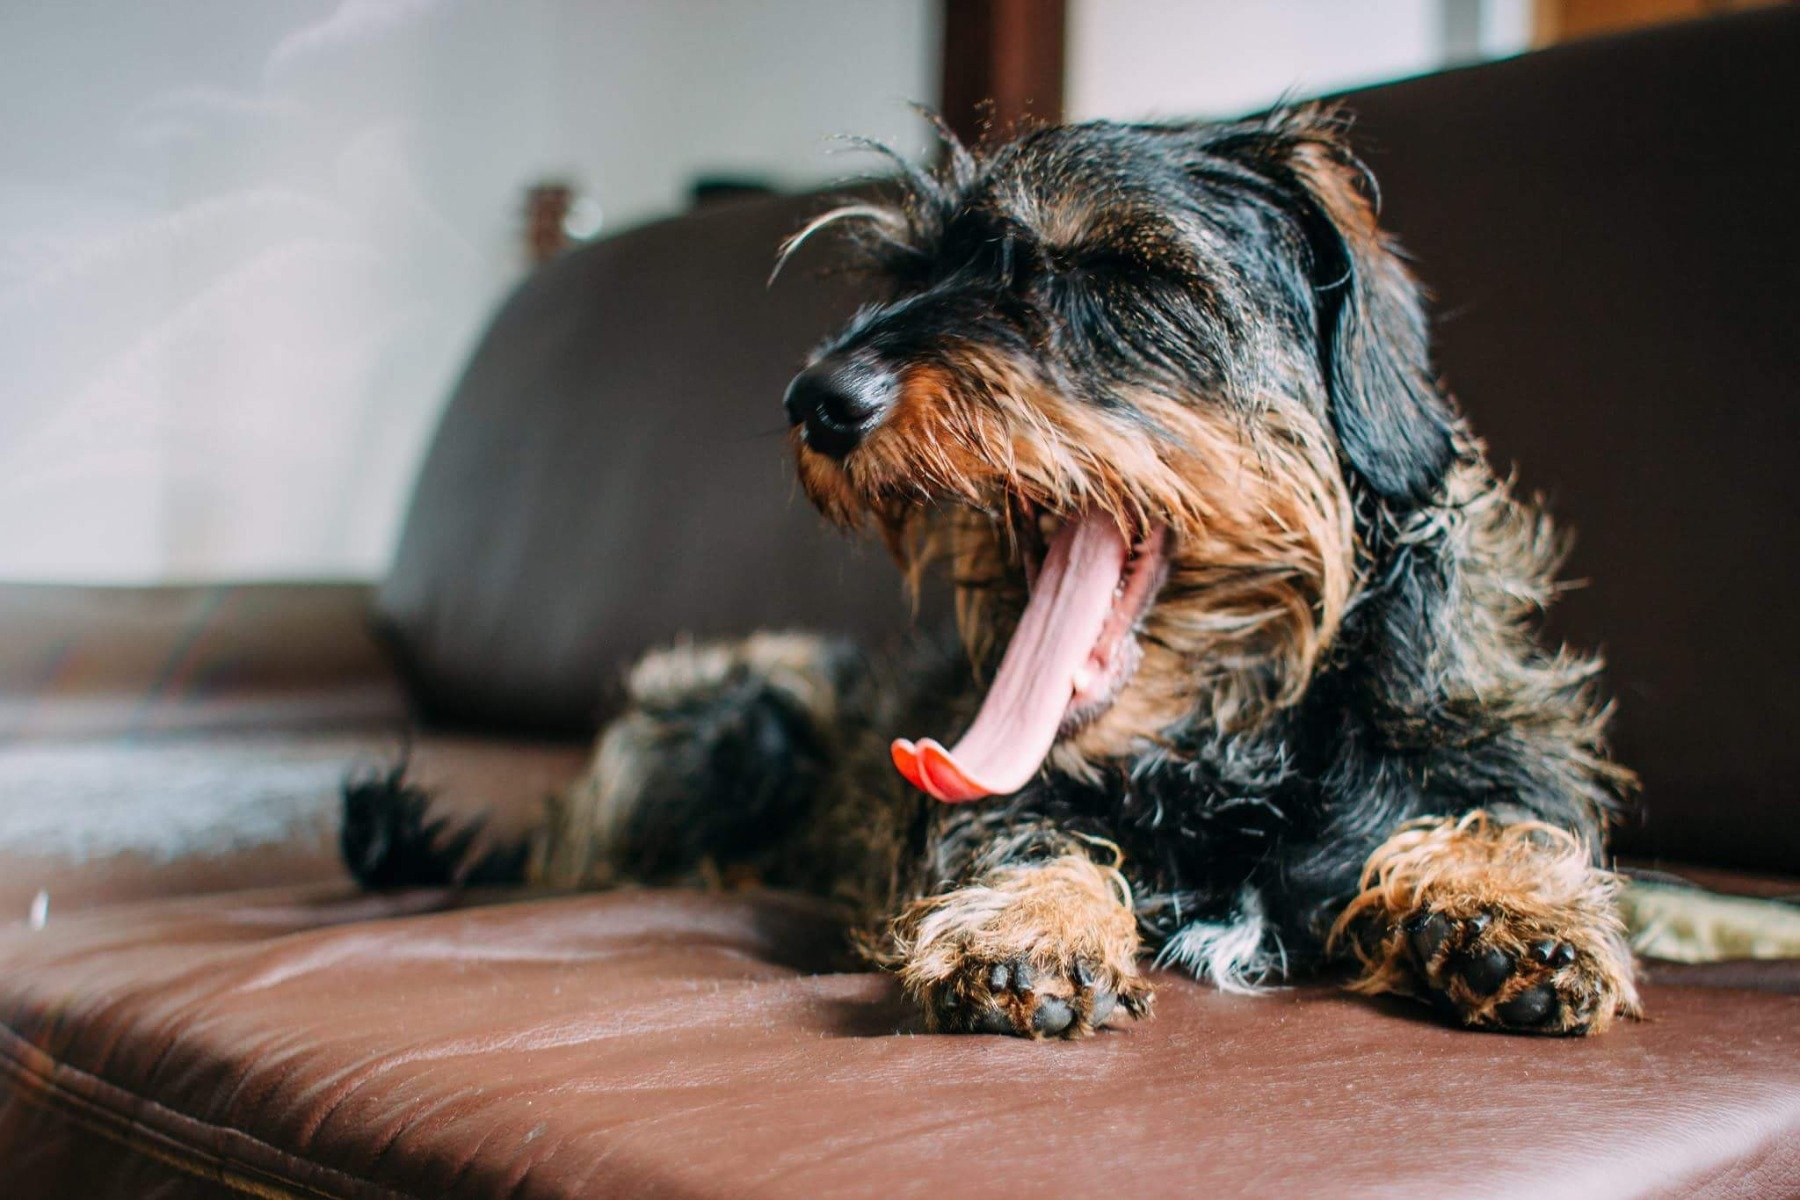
column 1003, row 62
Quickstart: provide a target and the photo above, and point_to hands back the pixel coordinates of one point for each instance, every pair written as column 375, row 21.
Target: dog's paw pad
column 1019, row 997
column 1497, row 969
column 1530, row 1009
column 1046, row 949
column 1485, row 971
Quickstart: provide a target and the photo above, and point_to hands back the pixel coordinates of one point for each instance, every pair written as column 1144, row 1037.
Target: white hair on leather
column 1235, row 955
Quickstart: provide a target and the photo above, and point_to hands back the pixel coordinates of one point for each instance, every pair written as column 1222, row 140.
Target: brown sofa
column 193, row 1001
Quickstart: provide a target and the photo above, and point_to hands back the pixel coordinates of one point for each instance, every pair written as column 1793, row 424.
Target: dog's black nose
column 838, row 402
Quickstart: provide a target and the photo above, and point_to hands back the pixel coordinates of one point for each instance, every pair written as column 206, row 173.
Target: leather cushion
column 685, row 1045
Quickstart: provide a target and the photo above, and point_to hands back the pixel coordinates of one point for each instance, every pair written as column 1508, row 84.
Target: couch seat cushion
column 315, row 1043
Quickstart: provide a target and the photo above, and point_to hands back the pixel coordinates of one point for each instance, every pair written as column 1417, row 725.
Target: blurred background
column 244, row 248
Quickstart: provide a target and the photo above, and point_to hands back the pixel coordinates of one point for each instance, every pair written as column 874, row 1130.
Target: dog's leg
column 1039, row 940
column 1508, row 926
column 718, row 756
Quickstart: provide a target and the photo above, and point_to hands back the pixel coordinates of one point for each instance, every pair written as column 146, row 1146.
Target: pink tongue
column 1018, row 721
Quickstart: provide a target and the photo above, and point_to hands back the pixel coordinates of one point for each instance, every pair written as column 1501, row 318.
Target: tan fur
column 1258, row 582
column 1531, row 883
column 1049, row 916
column 1344, row 188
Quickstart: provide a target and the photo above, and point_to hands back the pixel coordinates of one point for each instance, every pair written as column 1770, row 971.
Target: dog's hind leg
column 1507, row 926
column 719, row 752
column 718, row 756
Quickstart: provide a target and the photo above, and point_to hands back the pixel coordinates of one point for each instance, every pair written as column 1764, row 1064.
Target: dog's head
column 1147, row 385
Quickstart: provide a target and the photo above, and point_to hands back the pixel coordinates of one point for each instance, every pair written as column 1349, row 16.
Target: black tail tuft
column 390, row 840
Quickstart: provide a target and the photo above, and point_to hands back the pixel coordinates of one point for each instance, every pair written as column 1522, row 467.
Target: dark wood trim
column 1564, row 20
column 1003, row 62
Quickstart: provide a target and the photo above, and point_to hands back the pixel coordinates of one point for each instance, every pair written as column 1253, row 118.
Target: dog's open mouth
column 1074, row 649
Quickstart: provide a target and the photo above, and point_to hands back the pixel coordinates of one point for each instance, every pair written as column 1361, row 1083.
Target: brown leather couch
column 193, row 1001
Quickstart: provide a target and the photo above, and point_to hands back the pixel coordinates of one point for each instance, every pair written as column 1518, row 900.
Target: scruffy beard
column 1256, row 558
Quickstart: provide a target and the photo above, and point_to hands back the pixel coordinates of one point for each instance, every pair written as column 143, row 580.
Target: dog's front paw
column 1046, row 950
column 1533, row 972
column 1506, row 927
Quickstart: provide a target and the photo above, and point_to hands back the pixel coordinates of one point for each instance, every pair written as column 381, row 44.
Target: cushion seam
column 158, row 1132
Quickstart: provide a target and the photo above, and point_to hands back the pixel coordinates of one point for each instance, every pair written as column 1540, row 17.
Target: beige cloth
column 1683, row 924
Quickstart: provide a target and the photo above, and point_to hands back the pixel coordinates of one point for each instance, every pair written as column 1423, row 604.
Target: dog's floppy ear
column 1394, row 426
column 1391, row 420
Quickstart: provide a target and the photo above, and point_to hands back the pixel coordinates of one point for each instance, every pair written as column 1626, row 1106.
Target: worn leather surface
column 1608, row 229
column 685, row 1045
column 1760, row 974
column 135, row 662
column 161, row 741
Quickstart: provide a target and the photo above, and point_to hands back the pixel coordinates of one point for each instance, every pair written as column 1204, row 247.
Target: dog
column 1249, row 683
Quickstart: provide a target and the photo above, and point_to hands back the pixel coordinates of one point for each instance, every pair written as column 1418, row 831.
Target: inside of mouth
column 1071, row 653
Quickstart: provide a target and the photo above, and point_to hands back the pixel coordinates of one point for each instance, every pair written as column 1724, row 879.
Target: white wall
column 244, row 246
column 1135, row 59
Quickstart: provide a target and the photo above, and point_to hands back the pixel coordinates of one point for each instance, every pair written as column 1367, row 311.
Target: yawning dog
column 1249, row 679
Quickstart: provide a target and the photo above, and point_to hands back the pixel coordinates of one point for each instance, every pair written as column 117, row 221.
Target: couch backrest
column 1606, row 227
column 611, row 472
column 1609, row 229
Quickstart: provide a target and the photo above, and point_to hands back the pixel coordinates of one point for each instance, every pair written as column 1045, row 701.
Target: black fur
column 736, row 759
column 389, row 840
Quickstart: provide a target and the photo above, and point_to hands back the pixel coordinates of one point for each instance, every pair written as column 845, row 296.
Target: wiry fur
column 1200, row 328
column 1055, row 941
column 1236, row 953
